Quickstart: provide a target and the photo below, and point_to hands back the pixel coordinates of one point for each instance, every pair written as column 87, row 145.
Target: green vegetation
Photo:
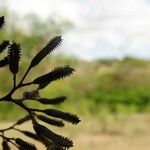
column 107, row 87
column 96, row 88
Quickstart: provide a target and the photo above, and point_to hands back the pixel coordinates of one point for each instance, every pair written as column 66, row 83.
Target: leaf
column 57, row 73
column 60, row 140
column 24, row 144
column 62, row 115
column 54, row 122
column 52, row 101
column 14, row 57
column 3, row 45
column 5, row 145
column 4, row 62
column 55, row 42
column 2, row 22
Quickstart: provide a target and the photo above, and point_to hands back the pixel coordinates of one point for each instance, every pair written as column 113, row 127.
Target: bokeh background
column 108, row 43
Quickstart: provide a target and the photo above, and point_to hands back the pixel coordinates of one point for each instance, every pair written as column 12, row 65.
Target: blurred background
column 108, row 44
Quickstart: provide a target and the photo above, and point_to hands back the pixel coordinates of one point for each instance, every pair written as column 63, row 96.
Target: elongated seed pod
column 14, row 57
column 57, row 73
column 24, row 144
column 53, row 122
column 23, row 120
column 72, row 118
column 31, row 135
column 53, row 44
column 5, row 145
column 3, row 45
column 4, row 62
column 2, row 22
column 52, row 101
column 60, row 140
column 36, row 137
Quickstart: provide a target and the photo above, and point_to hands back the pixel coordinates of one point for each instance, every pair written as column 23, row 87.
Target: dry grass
column 111, row 142
column 126, row 133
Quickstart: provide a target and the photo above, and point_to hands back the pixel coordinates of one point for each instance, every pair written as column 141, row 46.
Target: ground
column 131, row 133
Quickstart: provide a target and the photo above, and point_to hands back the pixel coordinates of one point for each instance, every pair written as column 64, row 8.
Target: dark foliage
column 50, row 121
column 23, row 120
column 43, row 131
column 3, row 45
column 4, row 62
column 5, row 145
column 46, row 50
column 62, row 115
column 53, row 101
column 14, row 57
column 57, row 73
column 2, row 22
column 51, row 140
column 25, row 145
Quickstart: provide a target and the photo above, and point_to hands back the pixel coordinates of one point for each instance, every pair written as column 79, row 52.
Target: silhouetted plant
column 51, row 140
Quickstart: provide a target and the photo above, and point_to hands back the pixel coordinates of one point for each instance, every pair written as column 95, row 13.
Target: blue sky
column 103, row 28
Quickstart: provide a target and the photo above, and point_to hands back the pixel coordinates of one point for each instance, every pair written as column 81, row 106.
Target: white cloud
column 105, row 28
column 45, row 8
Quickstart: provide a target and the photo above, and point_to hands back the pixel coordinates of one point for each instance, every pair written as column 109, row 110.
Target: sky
column 104, row 29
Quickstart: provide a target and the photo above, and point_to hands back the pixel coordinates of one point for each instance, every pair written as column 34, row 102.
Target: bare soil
column 131, row 133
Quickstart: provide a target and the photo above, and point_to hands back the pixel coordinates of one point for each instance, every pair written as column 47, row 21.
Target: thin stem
column 24, row 75
column 26, row 84
column 8, row 96
column 9, row 140
column 38, row 110
column 13, row 144
column 4, row 137
column 9, row 128
column 17, row 129
column 25, row 108
column 29, row 110
column 14, row 80
column 19, row 103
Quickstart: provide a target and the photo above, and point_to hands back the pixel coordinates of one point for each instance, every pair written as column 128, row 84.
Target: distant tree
column 51, row 140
